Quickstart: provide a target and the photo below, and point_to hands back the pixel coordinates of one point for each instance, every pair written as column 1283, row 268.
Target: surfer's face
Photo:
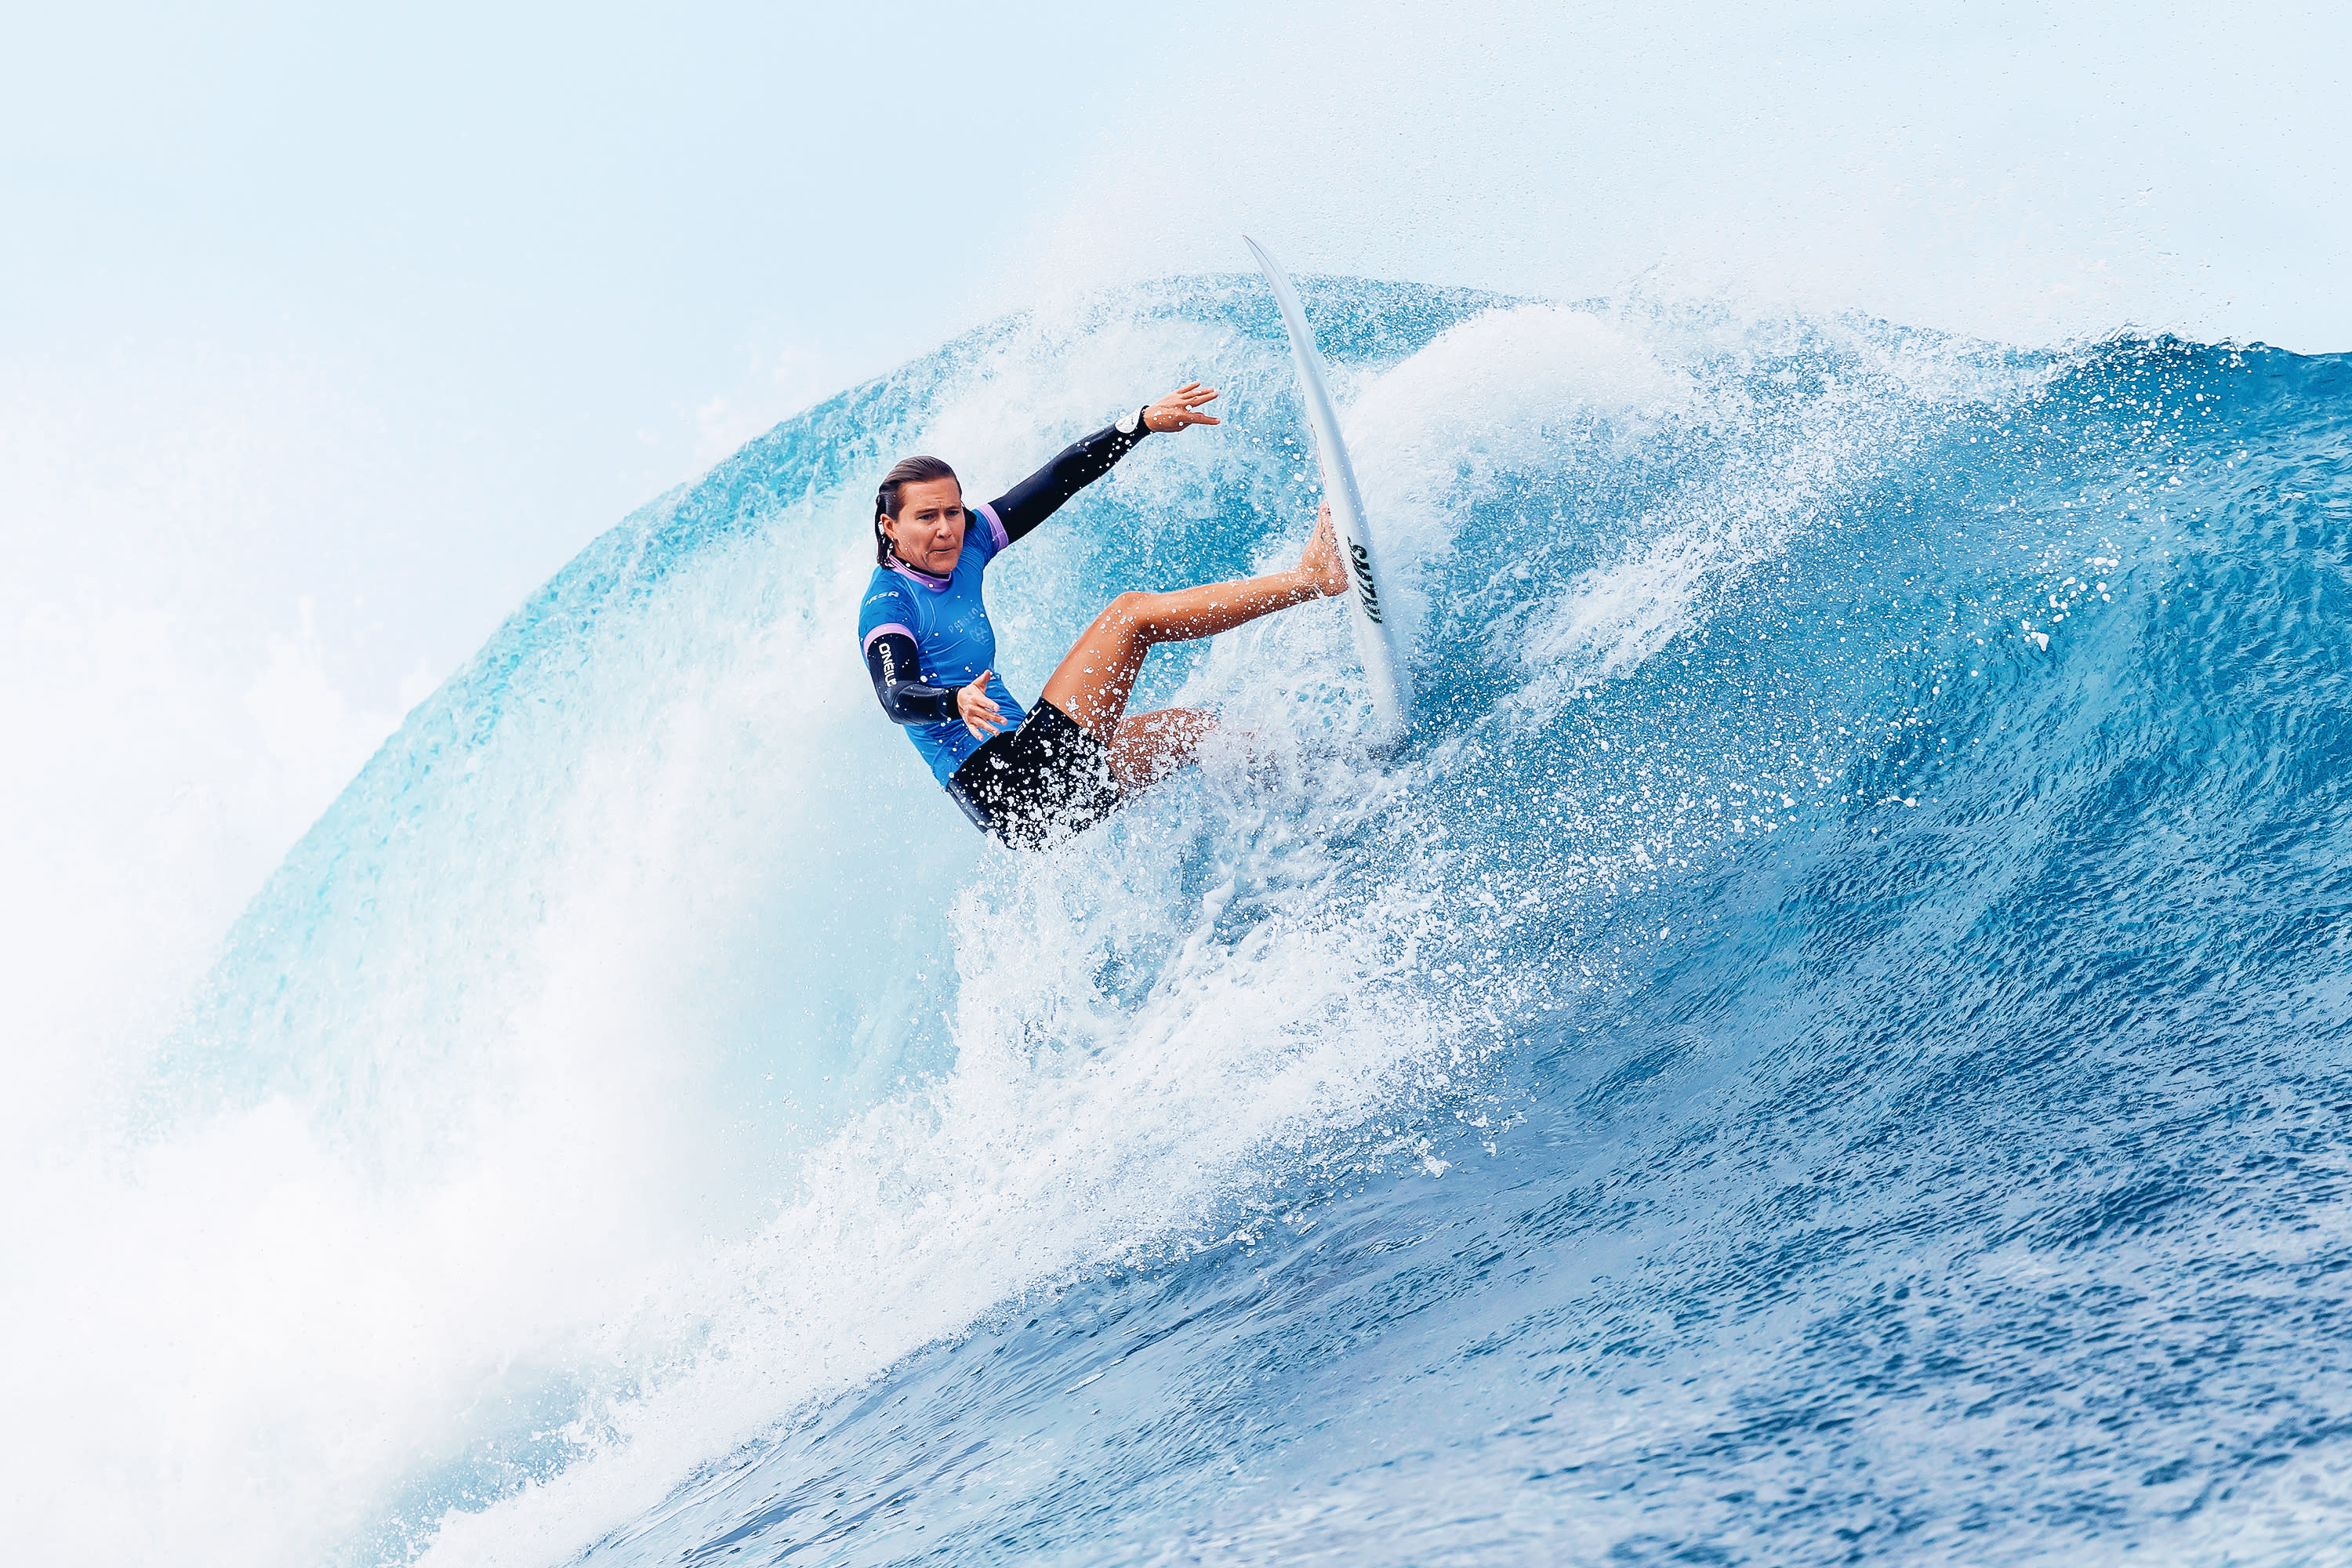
column 928, row 532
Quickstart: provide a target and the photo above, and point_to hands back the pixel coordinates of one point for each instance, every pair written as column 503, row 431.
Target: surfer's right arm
column 890, row 660
column 885, row 630
column 890, row 657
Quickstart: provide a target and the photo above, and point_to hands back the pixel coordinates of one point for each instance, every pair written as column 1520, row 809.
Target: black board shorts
column 1043, row 781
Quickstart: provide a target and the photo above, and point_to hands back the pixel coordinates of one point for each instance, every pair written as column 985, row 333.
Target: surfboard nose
column 1377, row 643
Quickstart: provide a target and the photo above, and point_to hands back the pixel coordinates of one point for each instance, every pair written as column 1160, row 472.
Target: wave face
column 1831, row 1045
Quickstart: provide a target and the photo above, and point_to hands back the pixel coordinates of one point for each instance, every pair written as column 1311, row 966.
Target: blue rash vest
column 947, row 621
column 923, row 637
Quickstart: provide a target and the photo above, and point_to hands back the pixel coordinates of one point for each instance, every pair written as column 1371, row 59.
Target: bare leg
column 1147, row 747
column 1095, row 680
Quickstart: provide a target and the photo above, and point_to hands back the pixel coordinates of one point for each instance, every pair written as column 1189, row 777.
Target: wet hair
column 906, row 472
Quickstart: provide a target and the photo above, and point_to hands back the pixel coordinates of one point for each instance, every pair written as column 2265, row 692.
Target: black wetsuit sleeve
column 1078, row 465
column 890, row 660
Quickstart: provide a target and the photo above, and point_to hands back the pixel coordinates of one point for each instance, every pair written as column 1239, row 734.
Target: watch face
column 1130, row 421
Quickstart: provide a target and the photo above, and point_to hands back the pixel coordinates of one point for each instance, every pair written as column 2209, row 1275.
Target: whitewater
column 1832, row 1043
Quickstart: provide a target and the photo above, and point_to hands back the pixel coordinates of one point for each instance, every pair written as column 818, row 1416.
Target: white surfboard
column 1377, row 640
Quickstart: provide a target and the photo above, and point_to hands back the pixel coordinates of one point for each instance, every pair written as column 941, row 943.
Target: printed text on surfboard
column 1367, row 593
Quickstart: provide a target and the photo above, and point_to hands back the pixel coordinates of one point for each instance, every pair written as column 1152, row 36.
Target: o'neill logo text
column 1367, row 594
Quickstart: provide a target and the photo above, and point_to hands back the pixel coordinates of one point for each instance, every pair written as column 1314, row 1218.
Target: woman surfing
column 1030, row 777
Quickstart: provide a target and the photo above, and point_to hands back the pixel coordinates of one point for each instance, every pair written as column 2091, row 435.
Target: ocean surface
column 1832, row 1043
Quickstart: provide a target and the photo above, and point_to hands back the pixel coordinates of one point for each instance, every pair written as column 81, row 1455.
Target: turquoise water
column 1830, row 1045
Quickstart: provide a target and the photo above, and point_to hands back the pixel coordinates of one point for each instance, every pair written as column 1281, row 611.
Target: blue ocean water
column 1832, row 1044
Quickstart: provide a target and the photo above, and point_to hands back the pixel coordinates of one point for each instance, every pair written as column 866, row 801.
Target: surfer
column 1067, row 763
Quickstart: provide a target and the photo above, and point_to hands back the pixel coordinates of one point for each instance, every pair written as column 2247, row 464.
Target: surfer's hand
column 1182, row 408
column 981, row 716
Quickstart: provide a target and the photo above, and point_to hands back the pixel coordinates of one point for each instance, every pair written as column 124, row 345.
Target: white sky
column 392, row 309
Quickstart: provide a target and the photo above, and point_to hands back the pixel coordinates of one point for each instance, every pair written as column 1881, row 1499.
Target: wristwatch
column 1132, row 424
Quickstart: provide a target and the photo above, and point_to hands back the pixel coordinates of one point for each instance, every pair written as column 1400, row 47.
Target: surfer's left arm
column 1081, row 463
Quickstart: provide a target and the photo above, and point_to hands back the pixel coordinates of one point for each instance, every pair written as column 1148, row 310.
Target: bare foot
column 1322, row 565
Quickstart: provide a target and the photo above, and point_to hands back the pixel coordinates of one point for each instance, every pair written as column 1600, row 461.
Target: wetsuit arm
column 1078, row 465
column 890, row 660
